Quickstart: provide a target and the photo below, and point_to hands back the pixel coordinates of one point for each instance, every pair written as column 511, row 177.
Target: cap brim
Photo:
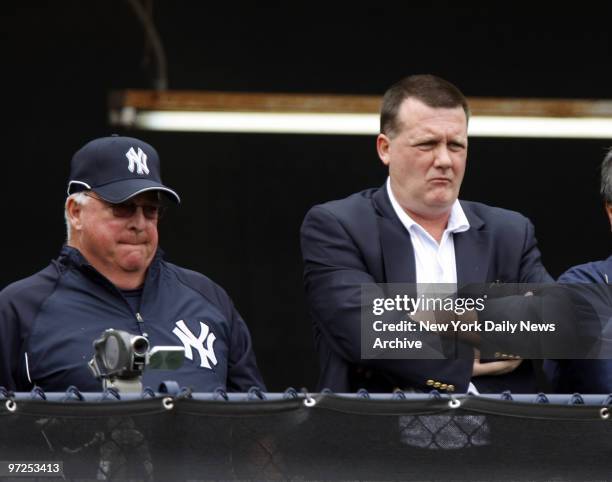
column 117, row 192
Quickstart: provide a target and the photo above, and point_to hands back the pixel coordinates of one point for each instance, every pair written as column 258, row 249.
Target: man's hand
column 494, row 368
column 468, row 319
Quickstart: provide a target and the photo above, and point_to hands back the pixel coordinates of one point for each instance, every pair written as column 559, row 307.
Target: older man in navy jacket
column 111, row 274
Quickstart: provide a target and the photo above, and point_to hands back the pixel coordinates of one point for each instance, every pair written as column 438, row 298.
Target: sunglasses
column 128, row 209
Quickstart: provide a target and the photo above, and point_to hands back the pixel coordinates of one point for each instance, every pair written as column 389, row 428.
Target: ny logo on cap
column 138, row 160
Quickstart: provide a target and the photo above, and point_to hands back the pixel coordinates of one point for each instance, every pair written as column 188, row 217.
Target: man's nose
column 138, row 219
column 443, row 157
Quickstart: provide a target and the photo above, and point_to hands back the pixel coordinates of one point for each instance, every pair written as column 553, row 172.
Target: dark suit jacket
column 360, row 240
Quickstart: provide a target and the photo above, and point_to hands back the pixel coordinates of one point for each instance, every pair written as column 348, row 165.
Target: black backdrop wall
column 245, row 195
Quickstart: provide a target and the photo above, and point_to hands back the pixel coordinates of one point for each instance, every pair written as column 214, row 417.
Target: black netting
column 336, row 439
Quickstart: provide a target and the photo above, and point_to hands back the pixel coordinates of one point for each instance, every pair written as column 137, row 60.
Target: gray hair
column 80, row 198
column 606, row 177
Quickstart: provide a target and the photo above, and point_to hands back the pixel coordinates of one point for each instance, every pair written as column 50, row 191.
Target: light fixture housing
column 198, row 111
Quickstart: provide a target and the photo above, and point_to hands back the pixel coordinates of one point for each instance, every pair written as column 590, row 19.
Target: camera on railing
column 120, row 359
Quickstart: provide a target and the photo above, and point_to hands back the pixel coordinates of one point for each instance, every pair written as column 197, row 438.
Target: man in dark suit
column 412, row 230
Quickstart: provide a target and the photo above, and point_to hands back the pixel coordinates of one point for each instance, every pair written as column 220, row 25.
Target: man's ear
column 383, row 144
column 74, row 211
column 609, row 211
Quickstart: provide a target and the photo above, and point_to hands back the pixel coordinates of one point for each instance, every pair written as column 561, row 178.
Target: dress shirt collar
column 457, row 221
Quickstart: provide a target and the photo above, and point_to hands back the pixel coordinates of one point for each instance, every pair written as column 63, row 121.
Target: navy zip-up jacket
column 587, row 376
column 49, row 321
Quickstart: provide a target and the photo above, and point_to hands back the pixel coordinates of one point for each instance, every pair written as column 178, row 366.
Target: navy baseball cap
column 117, row 168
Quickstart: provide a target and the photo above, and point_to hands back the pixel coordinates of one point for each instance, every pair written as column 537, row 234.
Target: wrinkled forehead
column 416, row 115
column 415, row 111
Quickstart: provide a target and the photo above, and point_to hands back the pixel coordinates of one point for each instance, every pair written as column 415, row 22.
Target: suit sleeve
column 334, row 272
column 532, row 270
column 515, row 306
column 566, row 306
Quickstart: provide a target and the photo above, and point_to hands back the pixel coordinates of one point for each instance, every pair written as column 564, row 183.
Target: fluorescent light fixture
column 363, row 124
column 348, row 115
column 559, row 127
column 259, row 122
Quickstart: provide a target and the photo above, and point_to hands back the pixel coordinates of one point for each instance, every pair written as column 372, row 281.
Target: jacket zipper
column 139, row 317
column 140, row 321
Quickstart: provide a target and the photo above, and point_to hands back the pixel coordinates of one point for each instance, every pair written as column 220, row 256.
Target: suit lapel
column 396, row 246
column 398, row 255
column 472, row 251
column 472, row 247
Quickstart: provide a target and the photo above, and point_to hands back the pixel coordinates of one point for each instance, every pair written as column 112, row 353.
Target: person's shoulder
column 592, row 272
column 492, row 214
column 354, row 205
column 22, row 300
column 489, row 211
column 200, row 283
column 37, row 285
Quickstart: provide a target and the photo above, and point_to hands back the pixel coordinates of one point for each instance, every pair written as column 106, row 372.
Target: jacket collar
column 472, row 250
column 383, row 207
column 70, row 256
column 396, row 246
column 607, row 271
column 472, row 247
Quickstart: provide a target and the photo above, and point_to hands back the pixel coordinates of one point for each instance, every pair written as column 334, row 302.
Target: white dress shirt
column 435, row 263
